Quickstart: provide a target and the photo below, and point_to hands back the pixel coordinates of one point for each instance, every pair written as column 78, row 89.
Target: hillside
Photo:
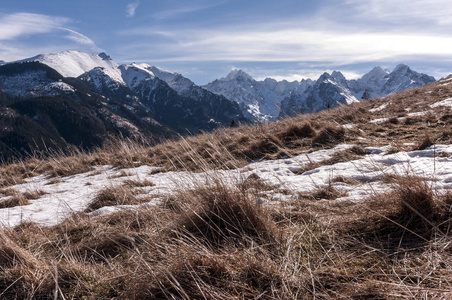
column 352, row 202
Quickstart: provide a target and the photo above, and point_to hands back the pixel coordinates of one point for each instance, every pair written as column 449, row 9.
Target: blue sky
column 204, row 40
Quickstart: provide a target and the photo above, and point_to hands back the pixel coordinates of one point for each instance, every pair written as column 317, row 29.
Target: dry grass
column 13, row 202
column 328, row 193
column 116, row 195
column 18, row 199
column 222, row 215
column 218, row 242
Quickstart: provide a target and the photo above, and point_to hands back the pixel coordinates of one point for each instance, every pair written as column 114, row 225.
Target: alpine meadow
column 255, row 170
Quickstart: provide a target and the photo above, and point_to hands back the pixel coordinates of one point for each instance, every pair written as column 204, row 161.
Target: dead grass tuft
column 260, row 149
column 14, row 201
column 11, row 253
column 226, row 215
column 424, row 143
column 329, row 193
column 417, row 208
column 117, row 195
column 329, row 136
column 295, row 132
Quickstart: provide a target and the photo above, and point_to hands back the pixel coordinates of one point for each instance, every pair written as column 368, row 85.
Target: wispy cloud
column 18, row 24
column 14, row 27
column 81, row 39
column 279, row 44
column 184, row 10
column 131, row 8
column 404, row 11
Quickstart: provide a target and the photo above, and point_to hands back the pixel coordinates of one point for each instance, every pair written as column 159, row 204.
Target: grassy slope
column 219, row 243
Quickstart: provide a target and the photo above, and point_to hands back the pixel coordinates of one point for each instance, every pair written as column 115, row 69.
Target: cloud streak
column 184, row 10
column 404, row 11
column 131, row 9
column 19, row 24
column 241, row 44
column 81, row 39
column 14, row 27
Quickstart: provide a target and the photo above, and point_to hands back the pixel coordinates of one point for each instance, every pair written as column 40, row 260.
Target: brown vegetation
column 220, row 242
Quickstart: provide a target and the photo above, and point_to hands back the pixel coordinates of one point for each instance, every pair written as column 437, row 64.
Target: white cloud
column 18, row 24
column 184, row 10
column 131, row 8
column 402, row 11
column 339, row 48
column 81, row 39
column 14, row 27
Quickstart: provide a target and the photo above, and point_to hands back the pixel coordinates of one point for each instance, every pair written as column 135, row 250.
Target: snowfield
column 74, row 193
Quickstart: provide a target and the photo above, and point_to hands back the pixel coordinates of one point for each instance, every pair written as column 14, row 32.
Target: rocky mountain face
column 40, row 108
column 76, row 98
column 269, row 99
column 259, row 100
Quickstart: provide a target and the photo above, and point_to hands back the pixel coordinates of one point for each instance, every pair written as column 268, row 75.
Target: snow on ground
column 419, row 113
column 381, row 107
column 74, row 193
column 445, row 102
column 378, row 121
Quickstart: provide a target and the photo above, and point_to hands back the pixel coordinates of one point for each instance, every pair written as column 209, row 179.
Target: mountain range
column 80, row 99
column 270, row 99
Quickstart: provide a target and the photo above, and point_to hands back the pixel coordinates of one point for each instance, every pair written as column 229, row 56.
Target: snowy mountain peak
column 402, row 69
column 238, row 74
column 72, row 63
column 104, row 56
column 324, row 76
column 375, row 73
column 338, row 76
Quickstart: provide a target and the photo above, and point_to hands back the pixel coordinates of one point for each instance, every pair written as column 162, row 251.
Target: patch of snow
column 378, row 121
column 74, row 193
column 446, row 102
column 380, row 108
column 418, row 114
column 348, row 126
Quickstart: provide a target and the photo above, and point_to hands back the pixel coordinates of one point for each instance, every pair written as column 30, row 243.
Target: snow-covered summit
column 259, row 100
column 135, row 74
column 237, row 74
column 376, row 74
column 176, row 81
column 73, row 63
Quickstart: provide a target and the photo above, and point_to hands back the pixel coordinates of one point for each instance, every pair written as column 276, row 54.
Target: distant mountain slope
column 40, row 109
column 270, row 99
column 80, row 99
column 259, row 100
